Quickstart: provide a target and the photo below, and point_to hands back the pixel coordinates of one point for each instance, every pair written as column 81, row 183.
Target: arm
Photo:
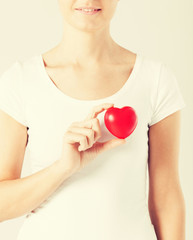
column 21, row 195
column 166, row 202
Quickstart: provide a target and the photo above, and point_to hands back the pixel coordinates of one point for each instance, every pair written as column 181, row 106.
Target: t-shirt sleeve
column 11, row 99
column 168, row 98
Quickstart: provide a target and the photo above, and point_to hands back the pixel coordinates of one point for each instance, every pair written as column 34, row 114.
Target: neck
column 86, row 48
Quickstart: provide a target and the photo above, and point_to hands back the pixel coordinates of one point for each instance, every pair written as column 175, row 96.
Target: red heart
column 121, row 122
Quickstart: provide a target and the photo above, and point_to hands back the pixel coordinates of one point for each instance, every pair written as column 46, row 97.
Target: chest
column 90, row 84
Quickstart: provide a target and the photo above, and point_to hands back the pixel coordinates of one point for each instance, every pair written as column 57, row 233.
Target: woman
column 53, row 104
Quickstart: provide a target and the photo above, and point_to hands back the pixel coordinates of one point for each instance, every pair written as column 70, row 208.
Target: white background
column 162, row 30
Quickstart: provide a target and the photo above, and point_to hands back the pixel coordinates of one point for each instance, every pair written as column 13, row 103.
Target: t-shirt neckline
column 108, row 99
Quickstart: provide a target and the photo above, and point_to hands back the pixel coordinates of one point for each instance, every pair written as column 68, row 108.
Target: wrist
column 62, row 168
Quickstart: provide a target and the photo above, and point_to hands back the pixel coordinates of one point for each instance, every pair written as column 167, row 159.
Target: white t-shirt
column 107, row 199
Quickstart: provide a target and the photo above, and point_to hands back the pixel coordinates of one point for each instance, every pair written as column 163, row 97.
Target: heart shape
column 121, row 122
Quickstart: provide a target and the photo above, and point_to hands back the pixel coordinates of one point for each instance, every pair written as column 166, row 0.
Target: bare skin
column 87, row 63
column 93, row 82
column 166, row 200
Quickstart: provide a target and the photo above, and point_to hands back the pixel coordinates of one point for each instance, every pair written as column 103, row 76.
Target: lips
column 94, row 8
column 88, row 8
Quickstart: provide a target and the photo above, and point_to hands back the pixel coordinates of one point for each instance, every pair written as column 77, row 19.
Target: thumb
column 112, row 143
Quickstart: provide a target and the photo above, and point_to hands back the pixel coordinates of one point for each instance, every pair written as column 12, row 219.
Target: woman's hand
column 80, row 144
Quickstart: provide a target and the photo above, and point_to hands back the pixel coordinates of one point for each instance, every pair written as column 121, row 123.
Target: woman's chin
column 87, row 27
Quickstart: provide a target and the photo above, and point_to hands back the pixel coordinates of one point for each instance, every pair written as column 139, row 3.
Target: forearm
column 20, row 196
column 168, row 216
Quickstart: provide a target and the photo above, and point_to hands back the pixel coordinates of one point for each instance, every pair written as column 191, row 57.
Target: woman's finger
column 98, row 109
column 71, row 137
column 93, row 124
column 89, row 133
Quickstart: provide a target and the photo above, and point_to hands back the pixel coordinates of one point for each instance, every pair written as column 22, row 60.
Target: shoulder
column 20, row 65
column 156, row 72
column 29, row 68
column 28, row 63
column 148, row 71
column 156, row 66
column 11, row 76
column 150, row 64
column 20, row 73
